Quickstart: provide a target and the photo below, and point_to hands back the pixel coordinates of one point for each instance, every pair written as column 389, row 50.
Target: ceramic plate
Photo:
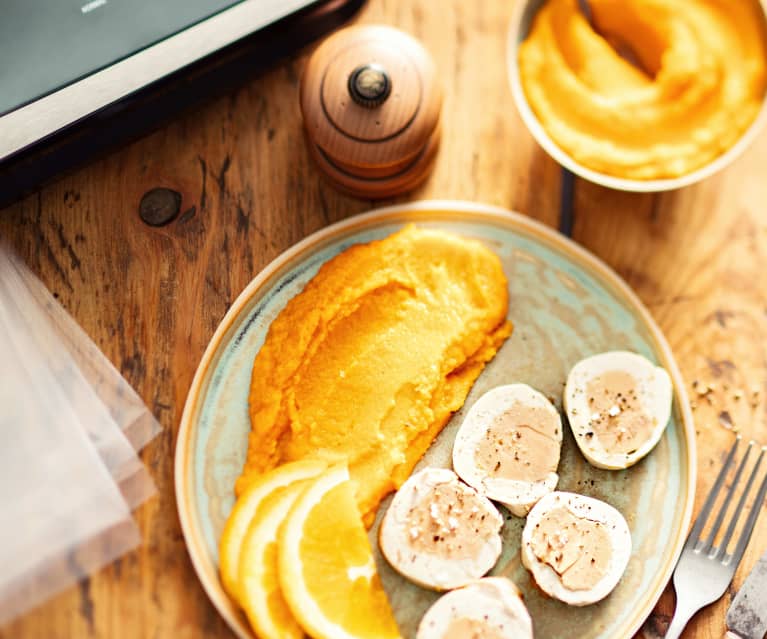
column 565, row 305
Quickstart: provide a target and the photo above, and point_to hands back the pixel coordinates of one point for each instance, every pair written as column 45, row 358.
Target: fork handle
column 731, row 635
column 679, row 622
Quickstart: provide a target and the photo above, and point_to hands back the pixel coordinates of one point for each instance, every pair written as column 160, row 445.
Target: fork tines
column 707, row 546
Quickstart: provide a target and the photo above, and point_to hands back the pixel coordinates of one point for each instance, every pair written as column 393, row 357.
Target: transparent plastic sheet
column 69, row 429
column 124, row 405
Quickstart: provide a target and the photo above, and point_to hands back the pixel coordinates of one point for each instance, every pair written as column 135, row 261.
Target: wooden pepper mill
column 371, row 107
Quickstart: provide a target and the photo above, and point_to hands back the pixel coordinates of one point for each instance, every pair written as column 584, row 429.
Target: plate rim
column 461, row 209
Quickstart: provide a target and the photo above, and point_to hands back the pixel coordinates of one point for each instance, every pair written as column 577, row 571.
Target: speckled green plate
column 565, row 305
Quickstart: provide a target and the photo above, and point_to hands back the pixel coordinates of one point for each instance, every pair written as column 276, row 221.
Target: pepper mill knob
column 371, row 106
column 369, row 85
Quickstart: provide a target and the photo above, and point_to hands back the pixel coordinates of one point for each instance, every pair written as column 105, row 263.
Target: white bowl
column 520, row 26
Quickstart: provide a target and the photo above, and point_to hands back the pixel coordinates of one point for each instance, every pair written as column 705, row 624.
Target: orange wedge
column 259, row 587
column 326, row 567
column 245, row 509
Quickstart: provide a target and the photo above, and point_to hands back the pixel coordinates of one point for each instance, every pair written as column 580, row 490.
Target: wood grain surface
column 151, row 297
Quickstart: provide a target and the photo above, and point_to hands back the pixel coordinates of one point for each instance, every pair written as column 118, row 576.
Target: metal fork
column 704, row 571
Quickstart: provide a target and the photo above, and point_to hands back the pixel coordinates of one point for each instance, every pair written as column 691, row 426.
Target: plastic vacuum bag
column 70, row 428
column 122, row 402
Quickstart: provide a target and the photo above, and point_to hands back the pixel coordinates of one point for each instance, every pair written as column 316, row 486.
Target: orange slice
column 245, row 509
column 259, row 587
column 326, row 566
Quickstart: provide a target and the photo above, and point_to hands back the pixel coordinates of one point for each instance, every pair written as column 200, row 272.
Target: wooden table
column 152, row 297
